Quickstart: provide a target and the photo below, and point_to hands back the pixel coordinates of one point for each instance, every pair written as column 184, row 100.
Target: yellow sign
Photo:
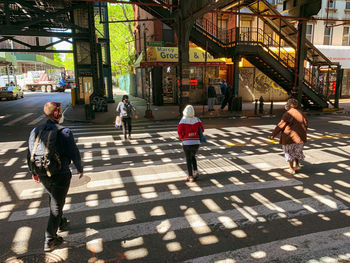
column 170, row 54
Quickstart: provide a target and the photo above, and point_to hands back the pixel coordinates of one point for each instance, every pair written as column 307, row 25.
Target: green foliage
column 68, row 61
column 122, row 39
column 57, row 57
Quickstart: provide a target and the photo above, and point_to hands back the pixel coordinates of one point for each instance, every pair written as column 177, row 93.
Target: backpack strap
column 35, row 146
column 46, row 153
column 37, row 138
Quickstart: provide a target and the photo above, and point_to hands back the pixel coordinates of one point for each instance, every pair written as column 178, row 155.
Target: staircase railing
column 257, row 36
column 247, row 36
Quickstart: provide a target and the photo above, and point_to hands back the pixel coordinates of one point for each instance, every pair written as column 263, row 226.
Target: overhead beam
column 128, row 3
column 36, row 50
column 15, row 32
column 207, row 8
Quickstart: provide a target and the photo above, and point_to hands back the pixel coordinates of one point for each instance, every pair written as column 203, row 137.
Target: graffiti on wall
column 263, row 84
column 99, row 104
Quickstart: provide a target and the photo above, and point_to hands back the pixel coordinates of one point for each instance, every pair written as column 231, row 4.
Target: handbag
column 201, row 136
column 118, row 122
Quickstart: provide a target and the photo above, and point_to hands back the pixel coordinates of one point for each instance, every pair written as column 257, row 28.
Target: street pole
column 148, row 112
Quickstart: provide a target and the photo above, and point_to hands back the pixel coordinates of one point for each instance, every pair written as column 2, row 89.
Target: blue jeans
column 57, row 187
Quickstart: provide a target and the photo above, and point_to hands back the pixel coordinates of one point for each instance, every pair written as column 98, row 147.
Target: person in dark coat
column 228, row 98
column 57, row 184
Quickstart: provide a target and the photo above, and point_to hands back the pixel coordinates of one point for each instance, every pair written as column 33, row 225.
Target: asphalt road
column 133, row 205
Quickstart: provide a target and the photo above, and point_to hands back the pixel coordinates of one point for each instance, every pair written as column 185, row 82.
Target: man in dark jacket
column 229, row 94
column 57, row 184
column 211, row 97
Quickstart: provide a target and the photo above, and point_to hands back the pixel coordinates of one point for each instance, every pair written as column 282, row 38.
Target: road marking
column 230, row 219
column 301, row 248
column 18, row 119
column 36, row 120
column 124, row 199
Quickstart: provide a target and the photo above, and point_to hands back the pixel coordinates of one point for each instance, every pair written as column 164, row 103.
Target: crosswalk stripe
column 230, row 219
column 37, row 120
column 18, row 119
column 152, row 197
column 295, row 249
column 114, row 130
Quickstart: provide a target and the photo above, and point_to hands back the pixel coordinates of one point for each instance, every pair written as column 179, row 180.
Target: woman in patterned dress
column 293, row 127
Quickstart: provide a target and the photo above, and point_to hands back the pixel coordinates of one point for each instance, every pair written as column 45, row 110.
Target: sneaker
column 196, row 175
column 53, row 244
column 190, row 179
column 64, row 224
column 129, row 138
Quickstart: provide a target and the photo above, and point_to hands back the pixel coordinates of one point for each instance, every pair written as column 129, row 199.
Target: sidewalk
column 171, row 112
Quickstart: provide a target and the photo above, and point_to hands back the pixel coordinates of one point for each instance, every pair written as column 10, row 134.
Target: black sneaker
column 64, row 224
column 53, row 244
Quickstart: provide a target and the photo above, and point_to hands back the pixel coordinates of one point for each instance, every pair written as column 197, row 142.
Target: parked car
column 11, row 93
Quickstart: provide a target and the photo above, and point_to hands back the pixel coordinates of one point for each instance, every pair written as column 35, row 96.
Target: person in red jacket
column 188, row 131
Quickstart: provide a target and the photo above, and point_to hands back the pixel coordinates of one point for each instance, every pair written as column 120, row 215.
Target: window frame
column 330, row 35
column 347, row 3
column 348, row 36
column 331, row 6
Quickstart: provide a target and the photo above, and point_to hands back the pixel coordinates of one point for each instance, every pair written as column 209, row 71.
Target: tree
column 121, row 39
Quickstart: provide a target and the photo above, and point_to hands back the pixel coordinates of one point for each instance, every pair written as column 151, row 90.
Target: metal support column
column 301, row 58
column 184, row 69
column 236, row 76
column 340, row 72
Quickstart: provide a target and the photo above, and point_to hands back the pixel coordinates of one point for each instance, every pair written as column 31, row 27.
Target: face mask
column 61, row 120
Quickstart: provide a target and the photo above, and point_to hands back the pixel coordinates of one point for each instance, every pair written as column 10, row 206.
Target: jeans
column 211, row 102
column 57, row 187
column 126, row 122
column 190, row 152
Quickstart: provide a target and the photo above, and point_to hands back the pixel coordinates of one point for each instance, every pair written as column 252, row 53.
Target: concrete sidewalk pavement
column 171, row 112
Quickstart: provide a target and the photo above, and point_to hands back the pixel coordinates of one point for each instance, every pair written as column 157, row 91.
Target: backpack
column 127, row 110
column 44, row 158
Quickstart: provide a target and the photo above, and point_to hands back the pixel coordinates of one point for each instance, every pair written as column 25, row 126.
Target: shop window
column 347, row 5
column 309, row 32
column 327, row 39
column 345, row 41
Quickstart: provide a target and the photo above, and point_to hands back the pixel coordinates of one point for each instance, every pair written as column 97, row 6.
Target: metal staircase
column 271, row 54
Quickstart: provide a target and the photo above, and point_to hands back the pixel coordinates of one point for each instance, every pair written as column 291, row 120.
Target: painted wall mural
column 254, row 83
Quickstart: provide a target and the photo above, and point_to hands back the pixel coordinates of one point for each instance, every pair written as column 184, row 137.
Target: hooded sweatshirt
column 188, row 128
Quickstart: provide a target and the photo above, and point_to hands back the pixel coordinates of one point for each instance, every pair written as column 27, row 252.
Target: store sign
column 339, row 54
column 155, row 43
column 170, row 54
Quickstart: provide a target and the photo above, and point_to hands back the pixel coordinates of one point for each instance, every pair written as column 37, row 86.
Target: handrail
column 255, row 36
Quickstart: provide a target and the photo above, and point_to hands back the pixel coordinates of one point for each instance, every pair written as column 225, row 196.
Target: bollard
column 256, row 107
column 271, row 107
column 261, row 105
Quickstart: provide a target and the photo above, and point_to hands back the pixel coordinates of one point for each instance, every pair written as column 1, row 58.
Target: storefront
column 161, row 66
column 339, row 54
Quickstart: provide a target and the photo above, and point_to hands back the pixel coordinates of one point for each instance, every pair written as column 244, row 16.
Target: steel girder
column 39, row 19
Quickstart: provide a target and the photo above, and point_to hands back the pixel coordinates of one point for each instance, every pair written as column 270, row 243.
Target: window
column 327, row 39
column 222, row 24
column 168, row 34
column 331, row 4
column 347, row 5
column 309, row 33
column 345, row 36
